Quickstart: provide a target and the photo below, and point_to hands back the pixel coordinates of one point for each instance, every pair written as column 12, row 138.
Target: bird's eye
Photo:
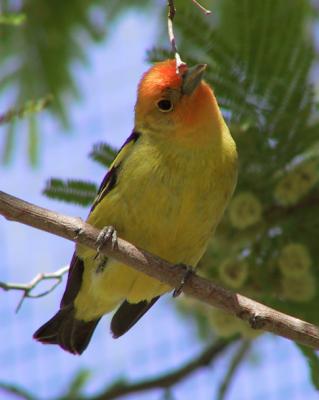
column 165, row 105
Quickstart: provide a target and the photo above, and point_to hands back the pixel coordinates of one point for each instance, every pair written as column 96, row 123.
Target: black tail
column 128, row 314
column 64, row 329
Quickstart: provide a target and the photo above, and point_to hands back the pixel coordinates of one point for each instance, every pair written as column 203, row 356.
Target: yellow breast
column 168, row 200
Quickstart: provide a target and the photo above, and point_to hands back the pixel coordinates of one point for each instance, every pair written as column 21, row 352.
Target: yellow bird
column 165, row 192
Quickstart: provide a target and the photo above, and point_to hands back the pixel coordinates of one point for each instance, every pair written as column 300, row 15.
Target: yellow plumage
column 168, row 200
column 170, row 189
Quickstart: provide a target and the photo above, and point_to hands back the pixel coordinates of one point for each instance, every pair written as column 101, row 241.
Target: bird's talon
column 107, row 233
column 78, row 232
column 114, row 239
column 189, row 270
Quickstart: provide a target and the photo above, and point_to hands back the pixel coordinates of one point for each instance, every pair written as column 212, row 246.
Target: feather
column 128, row 314
column 64, row 329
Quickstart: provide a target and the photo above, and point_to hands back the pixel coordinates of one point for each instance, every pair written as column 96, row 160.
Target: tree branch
column 203, row 9
column 168, row 380
column 171, row 35
column 27, row 288
column 170, row 27
column 258, row 315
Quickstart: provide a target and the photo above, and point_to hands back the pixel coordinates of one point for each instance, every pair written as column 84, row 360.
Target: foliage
column 77, row 191
column 72, row 191
column 40, row 42
column 103, row 153
column 77, row 385
column 313, row 362
column 28, row 110
column 261, row 56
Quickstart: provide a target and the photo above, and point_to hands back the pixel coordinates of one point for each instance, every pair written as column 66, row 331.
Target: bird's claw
column 189, row 270
column 106, row 234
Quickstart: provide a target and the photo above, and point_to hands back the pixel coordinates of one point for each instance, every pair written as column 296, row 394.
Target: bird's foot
column 106, row 234
column 189, row 270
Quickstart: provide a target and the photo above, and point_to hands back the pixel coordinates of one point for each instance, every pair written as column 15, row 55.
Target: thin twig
column 256, row 314
column 203, row 9
column 171, row 35
column 168, row 380
column 27, row 288
column 17, row 391
column 233, row 368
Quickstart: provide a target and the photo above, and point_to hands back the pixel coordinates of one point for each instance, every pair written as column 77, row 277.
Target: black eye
column 165, row 105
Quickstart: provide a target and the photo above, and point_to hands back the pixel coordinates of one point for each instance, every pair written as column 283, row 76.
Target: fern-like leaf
column 71, row 191
column 103, row 153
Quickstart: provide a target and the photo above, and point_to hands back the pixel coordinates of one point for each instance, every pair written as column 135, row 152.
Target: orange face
column 171, row 103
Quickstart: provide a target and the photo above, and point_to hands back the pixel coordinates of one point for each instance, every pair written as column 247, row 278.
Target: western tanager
column 165, row 192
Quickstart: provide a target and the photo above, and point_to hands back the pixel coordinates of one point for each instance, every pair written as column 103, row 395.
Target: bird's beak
column 192, row 78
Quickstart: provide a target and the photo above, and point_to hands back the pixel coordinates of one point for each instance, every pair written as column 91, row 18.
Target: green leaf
column 77, row 384
column 33, row 143
column 313, row 363
column 71, row 191
column 29, row 107
column 103, row 153
column 9, row 143
column 12, row 19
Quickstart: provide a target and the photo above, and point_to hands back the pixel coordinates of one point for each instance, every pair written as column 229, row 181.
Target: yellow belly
column 169, row 208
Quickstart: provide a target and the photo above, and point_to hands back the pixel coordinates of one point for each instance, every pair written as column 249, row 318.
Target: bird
column 165, row 192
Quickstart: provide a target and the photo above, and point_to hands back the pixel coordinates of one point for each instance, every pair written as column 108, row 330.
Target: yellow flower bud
column 224, row 324
column 233, row 273
column 296, row 184
column 244, row 210
column 301, row 289
column 308, row 175
column 287, row 191
column 294, row 260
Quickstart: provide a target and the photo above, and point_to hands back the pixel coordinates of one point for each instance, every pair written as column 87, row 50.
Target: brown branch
column 27, row 288
column 171, row 35
column 170, row 27
column 258, row 315
column 168, row 380
column 233, row 367
column 203, row 9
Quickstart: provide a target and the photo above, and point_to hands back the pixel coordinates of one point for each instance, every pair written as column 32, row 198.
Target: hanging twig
column 171, row 35
column 17, row 391
column 27, row 288
column 203, row 9
column 233, row 368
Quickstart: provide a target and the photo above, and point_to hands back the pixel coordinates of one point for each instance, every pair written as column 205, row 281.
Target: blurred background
column 68, row 78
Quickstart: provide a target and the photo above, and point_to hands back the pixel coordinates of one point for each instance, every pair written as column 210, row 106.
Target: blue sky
column 163, row 340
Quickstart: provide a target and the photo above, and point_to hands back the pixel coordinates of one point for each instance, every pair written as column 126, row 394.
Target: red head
column 175, row 104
